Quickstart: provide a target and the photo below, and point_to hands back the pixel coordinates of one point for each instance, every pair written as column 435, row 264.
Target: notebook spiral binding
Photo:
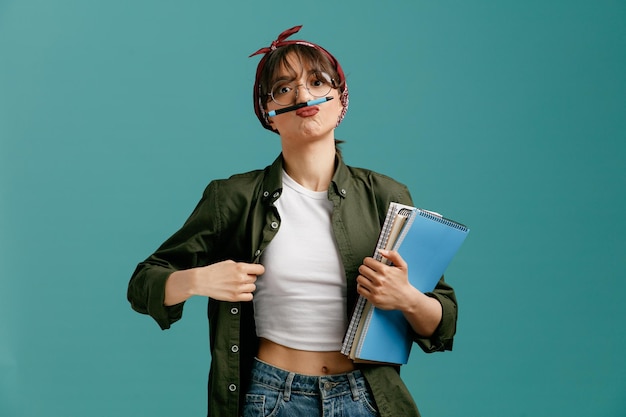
column 361, row 301
column 443, row 220
column 348, row 341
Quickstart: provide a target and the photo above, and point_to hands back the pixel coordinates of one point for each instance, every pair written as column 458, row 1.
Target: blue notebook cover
column 428, row 248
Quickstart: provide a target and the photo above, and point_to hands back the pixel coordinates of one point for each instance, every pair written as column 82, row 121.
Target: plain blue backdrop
column 507, row 116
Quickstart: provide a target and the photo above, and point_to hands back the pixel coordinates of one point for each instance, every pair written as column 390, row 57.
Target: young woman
column 282, row 255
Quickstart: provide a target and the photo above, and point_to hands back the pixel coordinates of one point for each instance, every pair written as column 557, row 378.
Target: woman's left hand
column 385, row 286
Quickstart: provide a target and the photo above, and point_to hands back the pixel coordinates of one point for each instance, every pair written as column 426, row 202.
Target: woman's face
column 317, row 121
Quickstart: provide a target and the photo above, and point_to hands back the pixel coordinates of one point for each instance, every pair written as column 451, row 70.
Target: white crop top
column 300, row 300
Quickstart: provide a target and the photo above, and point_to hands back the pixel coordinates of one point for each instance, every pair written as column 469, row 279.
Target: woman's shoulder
column 243, row 182
column 374, row 178
column 384, row 187
column 246, row 184
column 369, row 173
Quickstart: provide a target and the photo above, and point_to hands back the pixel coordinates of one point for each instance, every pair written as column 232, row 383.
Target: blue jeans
column 278, row 393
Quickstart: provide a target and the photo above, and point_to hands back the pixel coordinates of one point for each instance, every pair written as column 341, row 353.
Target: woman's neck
column 313, row 168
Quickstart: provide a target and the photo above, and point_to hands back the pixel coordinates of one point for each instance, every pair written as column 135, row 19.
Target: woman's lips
column 308, row 111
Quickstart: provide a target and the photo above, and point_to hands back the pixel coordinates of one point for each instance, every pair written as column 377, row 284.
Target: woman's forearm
column 423, row 313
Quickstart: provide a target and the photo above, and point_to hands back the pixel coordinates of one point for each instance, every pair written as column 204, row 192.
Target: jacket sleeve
column 187, row 248
column 443, row 336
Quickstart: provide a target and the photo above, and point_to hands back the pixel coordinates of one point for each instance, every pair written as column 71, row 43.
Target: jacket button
column 234, row 348
column 266, row 193
column 343, row 191
column 258, row 252
column 274, row 225
column 232, row 387
column 234, row 310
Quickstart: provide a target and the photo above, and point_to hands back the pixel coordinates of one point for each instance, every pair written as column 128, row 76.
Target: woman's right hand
column 224, row 281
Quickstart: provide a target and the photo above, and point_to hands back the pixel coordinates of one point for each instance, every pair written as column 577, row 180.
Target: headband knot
column 279, row 41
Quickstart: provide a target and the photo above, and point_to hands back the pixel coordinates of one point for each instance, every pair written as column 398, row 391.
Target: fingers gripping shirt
column 300, row 300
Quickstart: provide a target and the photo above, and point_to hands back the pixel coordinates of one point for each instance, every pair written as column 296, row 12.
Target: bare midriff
column 304, row 362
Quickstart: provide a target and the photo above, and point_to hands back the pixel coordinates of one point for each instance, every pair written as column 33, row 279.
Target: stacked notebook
column 427, row 242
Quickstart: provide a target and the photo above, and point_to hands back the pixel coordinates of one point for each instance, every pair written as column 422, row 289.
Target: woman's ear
column 270, row 122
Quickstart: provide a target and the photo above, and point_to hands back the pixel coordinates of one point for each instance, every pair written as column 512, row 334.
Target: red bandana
column 281, row 40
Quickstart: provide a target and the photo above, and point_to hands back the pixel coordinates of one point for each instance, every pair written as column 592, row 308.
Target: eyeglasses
column 285, row 92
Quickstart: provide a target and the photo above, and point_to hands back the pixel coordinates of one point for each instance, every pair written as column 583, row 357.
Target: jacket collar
column 273, row 181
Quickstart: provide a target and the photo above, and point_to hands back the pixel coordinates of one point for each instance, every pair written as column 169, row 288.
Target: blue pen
column 299, row 106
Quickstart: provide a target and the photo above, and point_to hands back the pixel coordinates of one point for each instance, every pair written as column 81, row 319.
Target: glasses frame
column 332, row 84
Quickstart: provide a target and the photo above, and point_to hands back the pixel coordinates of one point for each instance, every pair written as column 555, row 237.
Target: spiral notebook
column 427, row 242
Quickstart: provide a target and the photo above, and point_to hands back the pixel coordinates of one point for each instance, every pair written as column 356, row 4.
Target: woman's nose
column 302, row 93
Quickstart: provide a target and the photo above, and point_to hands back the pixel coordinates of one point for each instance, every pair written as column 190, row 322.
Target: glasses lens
column 319, row 84
column 285, row 93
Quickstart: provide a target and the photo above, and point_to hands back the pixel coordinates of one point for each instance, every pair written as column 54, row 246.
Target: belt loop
column 353, row 386
column 288, row 382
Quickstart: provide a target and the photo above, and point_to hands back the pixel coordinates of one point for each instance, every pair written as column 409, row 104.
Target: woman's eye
column 283, row 89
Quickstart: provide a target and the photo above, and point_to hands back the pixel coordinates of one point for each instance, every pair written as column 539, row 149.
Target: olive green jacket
column 236, row 219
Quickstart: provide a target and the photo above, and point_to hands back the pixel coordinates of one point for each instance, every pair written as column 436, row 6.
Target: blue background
column 507, row 116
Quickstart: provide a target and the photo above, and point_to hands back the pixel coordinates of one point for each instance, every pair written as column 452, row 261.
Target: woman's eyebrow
column 285, row 78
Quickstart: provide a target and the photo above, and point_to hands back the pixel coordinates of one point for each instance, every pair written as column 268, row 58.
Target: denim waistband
column 327, row 386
